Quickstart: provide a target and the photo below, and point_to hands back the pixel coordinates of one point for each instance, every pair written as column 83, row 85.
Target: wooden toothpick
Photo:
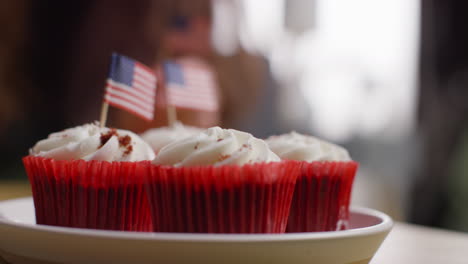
column 171, row 115
column 104, row 110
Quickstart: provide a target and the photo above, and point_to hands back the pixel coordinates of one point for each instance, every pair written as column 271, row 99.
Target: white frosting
column 295, row 146
column 157, row 138
column 216, row 146
column 90, row 142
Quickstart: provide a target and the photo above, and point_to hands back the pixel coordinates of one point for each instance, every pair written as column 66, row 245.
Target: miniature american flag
column 190, row 84
column 131, row 86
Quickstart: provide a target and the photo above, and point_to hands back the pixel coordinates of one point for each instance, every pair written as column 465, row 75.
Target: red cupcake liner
column 322, row 196
column 253, row 198
column 89, row 194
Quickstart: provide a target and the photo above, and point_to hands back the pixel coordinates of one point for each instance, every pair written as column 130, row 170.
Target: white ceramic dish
column 22, row 241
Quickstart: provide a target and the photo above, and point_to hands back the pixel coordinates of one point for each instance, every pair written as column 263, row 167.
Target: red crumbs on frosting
column 106, row 136
column 128, row 150
column 124, row 141
column 247, row 146
column 223, row 157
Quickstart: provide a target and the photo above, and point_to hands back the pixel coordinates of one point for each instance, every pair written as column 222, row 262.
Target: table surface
column 413, row 244
column 406, row 243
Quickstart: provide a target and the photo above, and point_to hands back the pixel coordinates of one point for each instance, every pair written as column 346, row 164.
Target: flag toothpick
column 171, row 115
column 130, row 86
column 104, row 110
column 188, row 84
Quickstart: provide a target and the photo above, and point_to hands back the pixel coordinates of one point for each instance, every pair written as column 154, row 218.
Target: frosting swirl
column 90, row 142
column 295, row 146
column 157, row 138
column 216, row 146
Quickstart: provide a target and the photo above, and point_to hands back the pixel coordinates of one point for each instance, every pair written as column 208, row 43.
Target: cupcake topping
column 216, row 146
column 90, row 142
column 295, row 146
column 157, row 138
column 125, row 141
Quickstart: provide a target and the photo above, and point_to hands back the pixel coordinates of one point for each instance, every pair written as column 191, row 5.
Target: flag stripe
column 191, row 85
column 200, row 102
column 149, row 85
column 118, row 100
column 142, row 91
column 117, row 92
column 177, row 88
column 195, row 96
column 131, row 92
column 194, row 102
column 128, row 106
column 145, row 68
column 198, row 76
column 189, row 103
column 148, row 90
column 145, row 73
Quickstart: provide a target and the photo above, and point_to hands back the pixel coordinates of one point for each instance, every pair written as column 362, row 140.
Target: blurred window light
column 300, row 15
column 354, row 61
column 262, row 24
column 225, row 30
column 360, row 67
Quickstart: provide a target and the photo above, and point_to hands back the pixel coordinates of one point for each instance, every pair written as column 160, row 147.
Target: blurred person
column 151, row 32
column 143, row 30
column 240, row 76
column 186, row 35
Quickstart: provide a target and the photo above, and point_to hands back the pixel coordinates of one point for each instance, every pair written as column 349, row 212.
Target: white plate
column 22, row 241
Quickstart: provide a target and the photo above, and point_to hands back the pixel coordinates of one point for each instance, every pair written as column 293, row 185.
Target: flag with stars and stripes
column 131, row 86
column 190, row 84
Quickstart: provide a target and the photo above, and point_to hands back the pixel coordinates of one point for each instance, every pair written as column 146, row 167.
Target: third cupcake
column 322, row 193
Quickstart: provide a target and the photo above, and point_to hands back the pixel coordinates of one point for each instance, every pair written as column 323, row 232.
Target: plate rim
column 384, row 226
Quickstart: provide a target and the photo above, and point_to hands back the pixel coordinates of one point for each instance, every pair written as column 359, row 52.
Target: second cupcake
column 220, row 181
column 159, row 137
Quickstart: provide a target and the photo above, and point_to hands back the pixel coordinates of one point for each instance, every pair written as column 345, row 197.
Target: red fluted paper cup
column 253, row 198
column 89, row 194
column 321, row 197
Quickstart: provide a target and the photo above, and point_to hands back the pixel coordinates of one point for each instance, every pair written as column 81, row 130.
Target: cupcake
column 157, row 138
column 322, row 193
column 90, row 177
column 220, row 181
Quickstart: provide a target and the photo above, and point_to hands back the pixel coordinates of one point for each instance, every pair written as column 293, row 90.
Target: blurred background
column 386, row 79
